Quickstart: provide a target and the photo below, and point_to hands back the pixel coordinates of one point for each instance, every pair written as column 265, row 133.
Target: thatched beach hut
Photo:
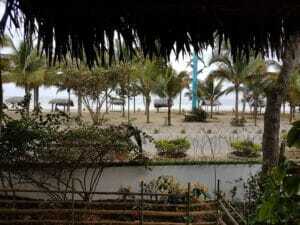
column 64, row 102
column 15, row 102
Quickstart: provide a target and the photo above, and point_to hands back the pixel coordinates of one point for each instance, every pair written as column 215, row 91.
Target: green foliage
column 197, row 115
column 176, row 148
column 246, row 148
column 293, row 136
column 169, row 185
column 156, row 131
column 49, row 138
column 240, row 122
column 277, row 204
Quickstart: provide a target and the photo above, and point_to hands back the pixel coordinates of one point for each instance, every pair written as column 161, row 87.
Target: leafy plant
column 293, row 136
column 172, row 148
column 59, row 150
column 246, row 148
column 197, row 115
column 277, row 203
column 156, row 131
column 126, row 191
column 169, row 185
column 240, row 122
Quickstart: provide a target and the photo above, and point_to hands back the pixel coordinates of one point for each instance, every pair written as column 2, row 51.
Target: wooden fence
column 134, row 205
column 16, row 208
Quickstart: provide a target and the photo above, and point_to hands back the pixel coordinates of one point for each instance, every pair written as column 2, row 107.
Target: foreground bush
column 169, row 185
column 245, row 148
column 197, row 115
column 44, row 151
column 238, row 122
column 175, row 148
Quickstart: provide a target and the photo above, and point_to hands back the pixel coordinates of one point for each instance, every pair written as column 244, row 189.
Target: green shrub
column 175, row 148
column 293, row 136
column 169, row 185
column 197, row 115
column 238, row 122
column 246, row 148
column 156, row 131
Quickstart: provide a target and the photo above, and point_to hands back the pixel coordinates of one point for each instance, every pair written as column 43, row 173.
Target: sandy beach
column 209, row 140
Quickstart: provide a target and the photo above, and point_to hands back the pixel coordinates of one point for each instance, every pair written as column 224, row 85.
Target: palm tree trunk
column 270, row 143
column 211, row 109
column 244, row 109
column 36, row 99
column 1, row 100
column 27, row 99
column 236, row 103
column 283, row 104
column 255, row 115
column 123, row 106
column 291, row 114
column 147, row 110
column 106, row 100
column 180, row 95
column 128, row 109
column 169, row 112
column 79, row 109
column 69, row 100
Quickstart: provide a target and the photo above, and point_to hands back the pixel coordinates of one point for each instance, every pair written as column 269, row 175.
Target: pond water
column 115, row 177
column 229, row 176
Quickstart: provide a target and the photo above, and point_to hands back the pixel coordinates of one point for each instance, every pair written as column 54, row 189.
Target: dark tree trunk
column 1, row 99
column 255, row 115
column 27, row 99
column 128, row 109
column 211, row 109
column 270, row 144
column 36, row 98
column 69, row 100
column 148, row 100
column 169, row 111
column 291, row 114
column 236, row 103
column 294, row 112
column 79, row 102
column 244, row 109
column 123, row 107
column 106, row 101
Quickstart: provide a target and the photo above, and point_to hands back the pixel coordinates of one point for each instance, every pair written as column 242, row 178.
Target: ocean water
column 48, row 93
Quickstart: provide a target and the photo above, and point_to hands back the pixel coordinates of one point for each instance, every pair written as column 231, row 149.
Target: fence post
column 188, row 204
column 142, row 203
column 73, row 201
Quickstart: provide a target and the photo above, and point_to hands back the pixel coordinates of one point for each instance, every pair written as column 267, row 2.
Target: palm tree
column 29, row 71
column 211, row 90
column 147, row 73
column 5, row 41
column 255, row 84
column 234, row 72
column 169, row 85
column 293, row 92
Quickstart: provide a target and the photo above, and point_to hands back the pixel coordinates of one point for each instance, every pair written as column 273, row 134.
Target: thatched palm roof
column 207, row 103
column 90, row 27
column 15, row 100
column 61, row 101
